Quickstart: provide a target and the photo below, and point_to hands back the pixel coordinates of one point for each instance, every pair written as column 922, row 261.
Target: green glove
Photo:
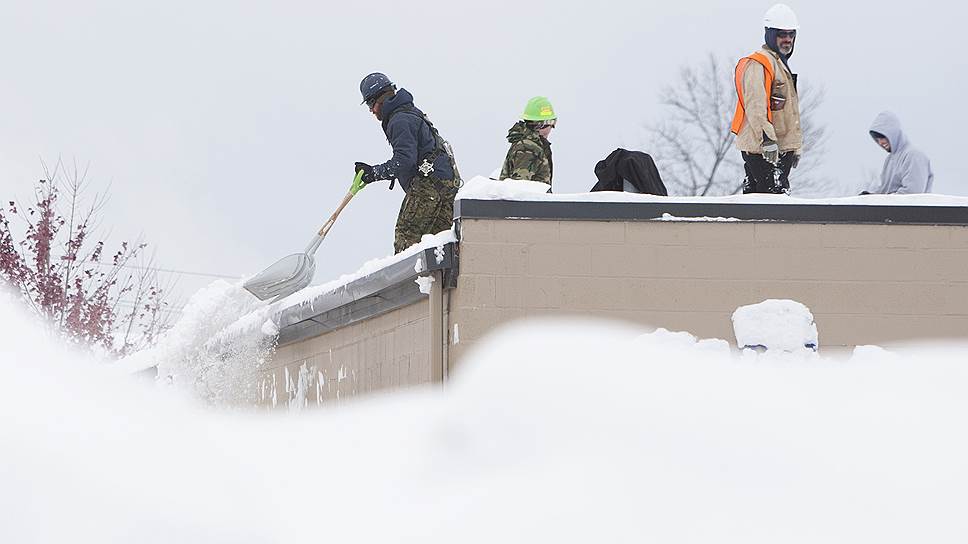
column 357, row 183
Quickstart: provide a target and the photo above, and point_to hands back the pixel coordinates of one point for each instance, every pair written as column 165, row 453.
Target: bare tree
column 113, row 302
column 693, row 145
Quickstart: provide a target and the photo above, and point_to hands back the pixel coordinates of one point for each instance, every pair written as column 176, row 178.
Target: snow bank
column 551, row 431
column 482, row 188
column 783, row 325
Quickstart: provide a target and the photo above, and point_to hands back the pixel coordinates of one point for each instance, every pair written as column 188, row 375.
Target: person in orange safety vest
column 767, row 119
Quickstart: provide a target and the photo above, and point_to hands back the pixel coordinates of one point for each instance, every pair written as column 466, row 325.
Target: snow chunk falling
column 783, row 325
column 269, row 328
column 425, row 283
column 211, row 352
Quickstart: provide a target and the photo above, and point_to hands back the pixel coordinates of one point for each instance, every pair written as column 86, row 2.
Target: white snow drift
column 550, row 432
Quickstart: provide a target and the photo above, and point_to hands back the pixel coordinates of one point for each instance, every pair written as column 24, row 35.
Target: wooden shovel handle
column 332, row 218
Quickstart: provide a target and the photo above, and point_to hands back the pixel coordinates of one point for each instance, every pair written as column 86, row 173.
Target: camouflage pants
column 428, row 208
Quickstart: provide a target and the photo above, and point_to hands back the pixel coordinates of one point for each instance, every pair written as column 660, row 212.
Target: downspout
column 437, row 361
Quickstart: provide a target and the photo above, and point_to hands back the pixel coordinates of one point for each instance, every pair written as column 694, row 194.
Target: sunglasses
column 548, row 124
column 786, row 34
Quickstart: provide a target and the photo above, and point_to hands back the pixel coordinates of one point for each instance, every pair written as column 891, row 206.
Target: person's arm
column 402, row 134
column 756, row 102
column 914, row 175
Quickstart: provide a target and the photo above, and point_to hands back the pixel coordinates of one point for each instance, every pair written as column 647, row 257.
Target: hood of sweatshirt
column 889, row 125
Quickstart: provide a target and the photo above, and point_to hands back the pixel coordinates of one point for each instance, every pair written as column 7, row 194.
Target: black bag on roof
column 635, row 167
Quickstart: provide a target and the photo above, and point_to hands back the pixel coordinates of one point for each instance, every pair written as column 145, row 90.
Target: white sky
column 228, row 129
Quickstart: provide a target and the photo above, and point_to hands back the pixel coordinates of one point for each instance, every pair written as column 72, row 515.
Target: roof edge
column 377, row 293
column 650, row 211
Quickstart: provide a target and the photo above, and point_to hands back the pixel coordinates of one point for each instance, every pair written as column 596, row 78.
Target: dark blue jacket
column 411, row 139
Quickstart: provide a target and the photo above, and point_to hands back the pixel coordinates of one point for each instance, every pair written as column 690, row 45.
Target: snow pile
column 481, row 188
column 782, row 325
column 550, row 432
column 87, row 452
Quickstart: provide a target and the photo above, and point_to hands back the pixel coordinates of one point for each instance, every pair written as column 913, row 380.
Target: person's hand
column 796, row 161
column 771, row 152
column 368, row 176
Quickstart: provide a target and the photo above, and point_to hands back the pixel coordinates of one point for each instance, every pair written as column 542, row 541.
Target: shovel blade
column 285, row 277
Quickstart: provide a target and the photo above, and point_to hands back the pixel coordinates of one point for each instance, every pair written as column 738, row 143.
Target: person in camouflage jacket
column 530, row 154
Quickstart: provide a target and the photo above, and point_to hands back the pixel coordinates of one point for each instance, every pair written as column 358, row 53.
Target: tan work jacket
column 785, row 129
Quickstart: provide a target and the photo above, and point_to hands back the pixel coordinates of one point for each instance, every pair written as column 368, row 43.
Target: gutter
column 375, row 294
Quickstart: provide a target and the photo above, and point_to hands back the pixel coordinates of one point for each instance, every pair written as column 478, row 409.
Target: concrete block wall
column 866, row 284
column 383, row 353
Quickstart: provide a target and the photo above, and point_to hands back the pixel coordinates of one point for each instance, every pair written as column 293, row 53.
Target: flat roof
column 672, row 210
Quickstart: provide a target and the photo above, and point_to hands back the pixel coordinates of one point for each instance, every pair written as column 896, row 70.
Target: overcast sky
column 228, row 129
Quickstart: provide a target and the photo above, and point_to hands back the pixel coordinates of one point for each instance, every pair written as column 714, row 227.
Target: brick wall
column 866, row 284
column 380, row 354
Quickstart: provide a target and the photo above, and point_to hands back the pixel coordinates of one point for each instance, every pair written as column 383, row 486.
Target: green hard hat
column 539, row 109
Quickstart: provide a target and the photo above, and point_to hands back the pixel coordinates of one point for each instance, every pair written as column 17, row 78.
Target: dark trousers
column 763, row 177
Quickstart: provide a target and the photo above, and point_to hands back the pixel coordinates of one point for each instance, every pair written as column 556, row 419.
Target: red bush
column 105, row 302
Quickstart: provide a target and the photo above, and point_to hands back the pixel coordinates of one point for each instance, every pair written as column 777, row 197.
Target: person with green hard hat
column 530, row 154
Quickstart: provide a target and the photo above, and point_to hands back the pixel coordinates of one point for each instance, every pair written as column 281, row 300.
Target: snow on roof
column 426, row 242
column 481, row 188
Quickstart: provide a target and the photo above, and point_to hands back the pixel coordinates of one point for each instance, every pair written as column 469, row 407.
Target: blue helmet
column 374, row 85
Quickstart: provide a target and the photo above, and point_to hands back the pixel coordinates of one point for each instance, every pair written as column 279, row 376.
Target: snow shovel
column 294, row 272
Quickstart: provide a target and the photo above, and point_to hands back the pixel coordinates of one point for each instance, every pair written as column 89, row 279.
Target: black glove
column 368, row 176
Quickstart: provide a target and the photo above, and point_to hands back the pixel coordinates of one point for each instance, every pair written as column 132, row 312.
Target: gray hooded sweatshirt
column 906, row 170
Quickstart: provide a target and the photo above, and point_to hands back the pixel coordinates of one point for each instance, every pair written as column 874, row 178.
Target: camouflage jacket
column 529, row 156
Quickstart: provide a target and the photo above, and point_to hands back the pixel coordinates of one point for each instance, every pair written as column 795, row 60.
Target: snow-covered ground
column 552, row 431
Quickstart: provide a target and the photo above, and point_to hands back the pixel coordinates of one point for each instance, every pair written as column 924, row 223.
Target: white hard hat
column 781, row 17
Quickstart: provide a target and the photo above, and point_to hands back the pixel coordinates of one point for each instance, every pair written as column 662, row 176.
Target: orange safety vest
column 740, row 116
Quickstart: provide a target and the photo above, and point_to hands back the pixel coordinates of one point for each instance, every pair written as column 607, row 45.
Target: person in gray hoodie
column 906, row 169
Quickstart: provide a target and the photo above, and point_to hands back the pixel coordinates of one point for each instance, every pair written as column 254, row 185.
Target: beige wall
column 864, row 283
column 383, row 353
